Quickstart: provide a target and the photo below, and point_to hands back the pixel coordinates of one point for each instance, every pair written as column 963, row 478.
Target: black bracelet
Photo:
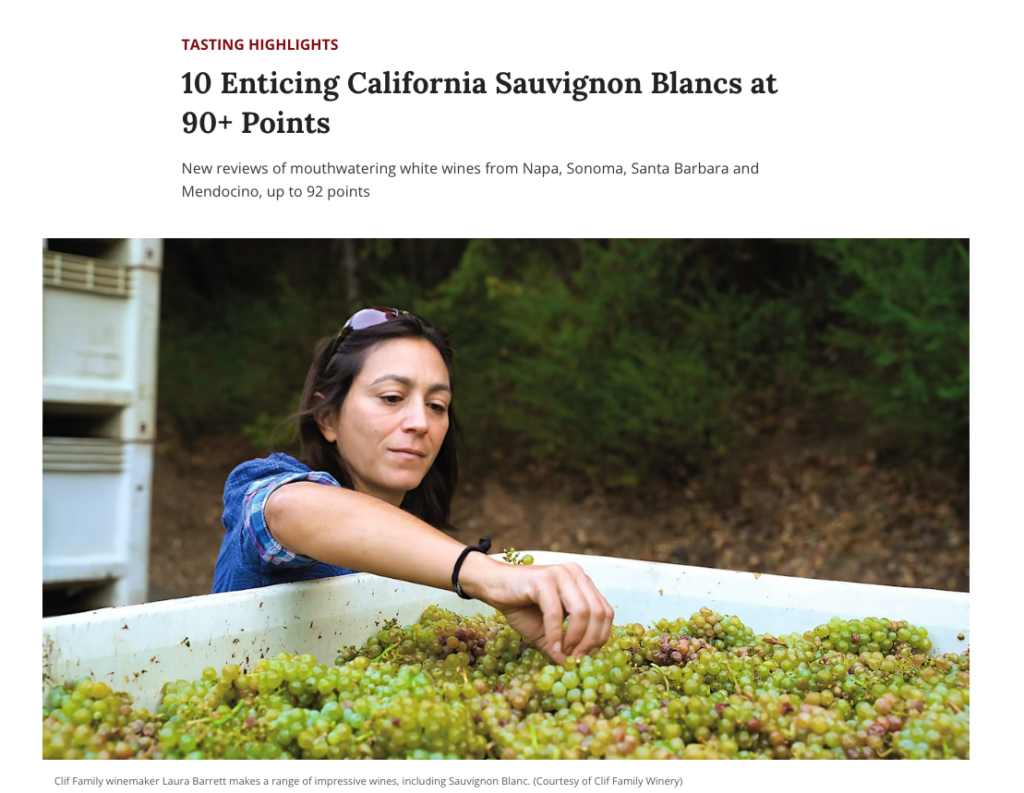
column 483, row 547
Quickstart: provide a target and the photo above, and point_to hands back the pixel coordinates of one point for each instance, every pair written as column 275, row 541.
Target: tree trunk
column 350, row 272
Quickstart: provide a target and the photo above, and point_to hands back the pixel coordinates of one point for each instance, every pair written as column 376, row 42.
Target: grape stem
column 663, row 672
column 222, row 721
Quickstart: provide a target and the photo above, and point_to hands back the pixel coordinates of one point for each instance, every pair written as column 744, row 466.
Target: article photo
column 505, row 499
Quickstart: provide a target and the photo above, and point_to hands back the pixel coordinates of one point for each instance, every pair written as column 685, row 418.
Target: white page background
column 891, row 120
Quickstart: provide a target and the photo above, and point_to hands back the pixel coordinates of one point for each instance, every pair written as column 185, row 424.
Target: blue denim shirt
column 249, row 555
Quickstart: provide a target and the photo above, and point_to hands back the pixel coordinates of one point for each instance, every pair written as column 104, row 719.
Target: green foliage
column 619, row 358
column 902, row 330
column 629, row 362
column 247, row 361
column 275, row 431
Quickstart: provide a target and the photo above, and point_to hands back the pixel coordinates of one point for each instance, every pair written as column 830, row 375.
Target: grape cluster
column 471, row 687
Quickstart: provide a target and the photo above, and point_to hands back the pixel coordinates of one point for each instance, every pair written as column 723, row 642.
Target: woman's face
column 394, row 419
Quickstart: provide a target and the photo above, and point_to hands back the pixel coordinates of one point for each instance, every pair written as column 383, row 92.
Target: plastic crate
column 136, row 649
column 100, row 320
column 95, row 501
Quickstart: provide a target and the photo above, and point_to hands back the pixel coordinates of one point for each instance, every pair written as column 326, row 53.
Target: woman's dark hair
column 431, row 500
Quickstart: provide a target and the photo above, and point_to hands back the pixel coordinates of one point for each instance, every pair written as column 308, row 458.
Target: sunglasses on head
column 363, row 319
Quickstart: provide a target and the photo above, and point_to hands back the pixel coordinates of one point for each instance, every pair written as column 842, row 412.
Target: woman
column 377, row 429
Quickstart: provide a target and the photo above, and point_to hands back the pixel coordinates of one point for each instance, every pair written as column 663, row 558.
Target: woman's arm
column 351, row 529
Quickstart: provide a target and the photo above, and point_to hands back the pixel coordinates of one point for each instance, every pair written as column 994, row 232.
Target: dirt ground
column 802, row 511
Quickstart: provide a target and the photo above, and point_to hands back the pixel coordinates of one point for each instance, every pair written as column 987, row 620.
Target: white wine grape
column 456, row 687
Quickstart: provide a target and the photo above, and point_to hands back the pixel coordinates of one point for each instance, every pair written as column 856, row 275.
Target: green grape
column 470, row 687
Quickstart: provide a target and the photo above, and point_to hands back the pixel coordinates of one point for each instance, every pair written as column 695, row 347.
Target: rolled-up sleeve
column 245, row 501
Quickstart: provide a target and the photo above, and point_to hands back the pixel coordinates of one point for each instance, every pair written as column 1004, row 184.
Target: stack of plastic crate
column 100, row 318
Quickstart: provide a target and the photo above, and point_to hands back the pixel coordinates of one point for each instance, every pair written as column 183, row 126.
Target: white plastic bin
column 94, row 492
column 100, row 317
column 136, row 649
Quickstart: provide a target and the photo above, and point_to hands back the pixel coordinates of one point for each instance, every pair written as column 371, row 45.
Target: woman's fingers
column 558, row 591
column 609, row 617
column 600, row 623
column 577, row 606
column 552, row 614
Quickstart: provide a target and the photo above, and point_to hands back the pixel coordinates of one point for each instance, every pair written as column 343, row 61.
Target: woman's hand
column 535, row 599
